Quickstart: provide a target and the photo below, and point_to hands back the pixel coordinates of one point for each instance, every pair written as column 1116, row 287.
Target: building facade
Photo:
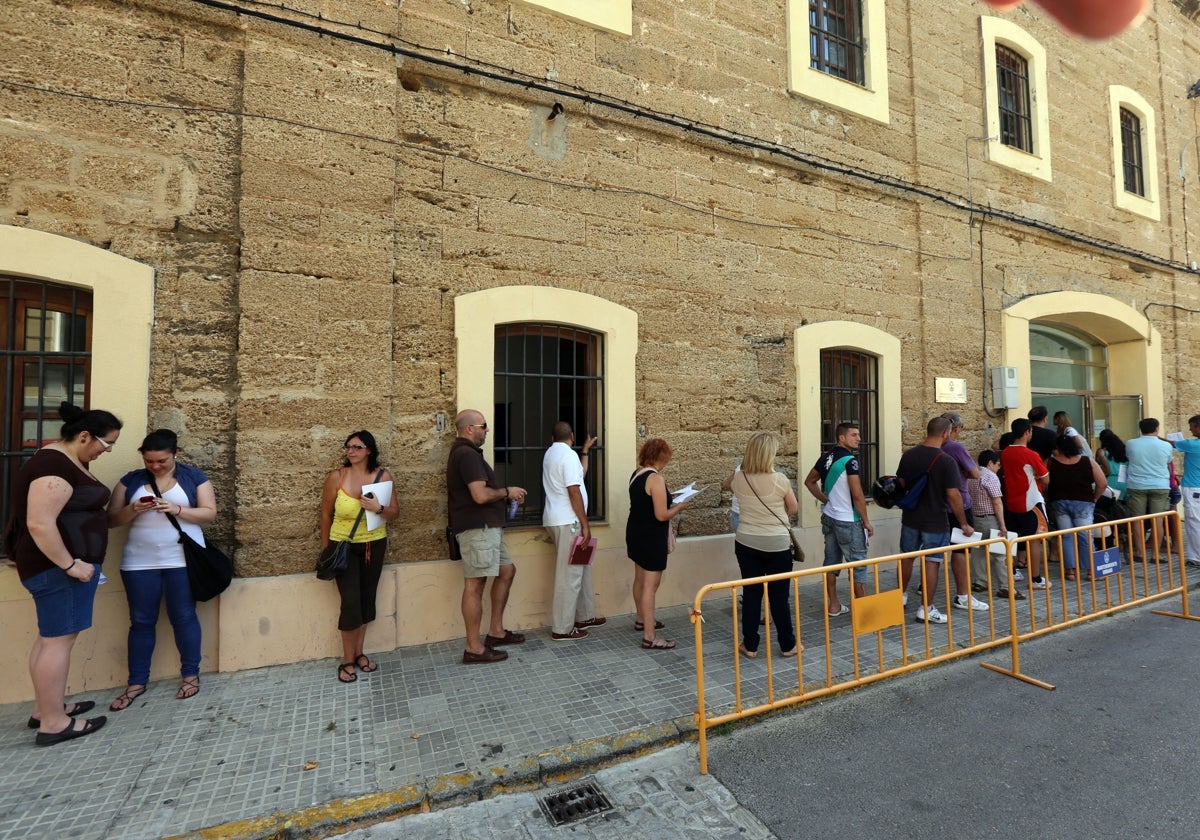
column 266, row 226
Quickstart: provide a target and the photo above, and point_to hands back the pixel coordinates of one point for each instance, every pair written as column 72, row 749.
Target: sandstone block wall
column 312, row 206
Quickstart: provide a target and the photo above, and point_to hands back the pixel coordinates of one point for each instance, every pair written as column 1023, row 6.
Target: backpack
column 913, row 492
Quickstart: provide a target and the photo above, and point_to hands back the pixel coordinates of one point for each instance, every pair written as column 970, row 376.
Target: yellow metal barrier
column 1159, row 574
column 839, row 660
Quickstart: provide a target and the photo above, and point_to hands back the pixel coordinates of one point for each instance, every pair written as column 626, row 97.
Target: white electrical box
column 1004, row 387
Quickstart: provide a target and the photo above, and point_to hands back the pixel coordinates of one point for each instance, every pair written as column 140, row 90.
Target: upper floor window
column 850, row 394
column 837, row 54
column 1016, row 104
column 545, row 373
column 1134, row 152
column 45, row 342
column 1012, row 83
column 836, row 38
column 613, row 15
column 1131, row 152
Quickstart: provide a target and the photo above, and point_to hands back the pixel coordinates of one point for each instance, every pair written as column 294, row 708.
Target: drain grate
column 577, row 802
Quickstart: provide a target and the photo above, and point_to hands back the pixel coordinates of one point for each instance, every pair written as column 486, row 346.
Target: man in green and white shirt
column 835, row 482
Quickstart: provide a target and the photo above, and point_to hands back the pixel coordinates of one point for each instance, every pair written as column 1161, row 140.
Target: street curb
column 552, row 767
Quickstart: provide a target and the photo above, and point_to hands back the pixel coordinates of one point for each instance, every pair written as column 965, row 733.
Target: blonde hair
column 760, row 453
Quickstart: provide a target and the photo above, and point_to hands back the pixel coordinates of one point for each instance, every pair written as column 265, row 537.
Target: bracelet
column 506, row 492
column 74, row 560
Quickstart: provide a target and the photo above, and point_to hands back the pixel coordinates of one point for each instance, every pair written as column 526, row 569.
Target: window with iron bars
column 850, row 394
column 1016, row 114
column 45, row 344
column 545, row 373
column 1131, row 152
column 836, row 38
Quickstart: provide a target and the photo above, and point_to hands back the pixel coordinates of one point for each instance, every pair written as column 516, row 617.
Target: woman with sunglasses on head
column 341, row 503
column 152, row 563
column 58, row 536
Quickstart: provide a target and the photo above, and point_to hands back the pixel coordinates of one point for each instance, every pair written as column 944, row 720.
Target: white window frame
column 870, row 99
column 1148, row 205
column 476, row 316
column 997, row 31
column 808, row 342
column 613, row 15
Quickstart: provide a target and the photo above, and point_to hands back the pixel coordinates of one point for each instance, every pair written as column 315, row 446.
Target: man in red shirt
column 1025, row 477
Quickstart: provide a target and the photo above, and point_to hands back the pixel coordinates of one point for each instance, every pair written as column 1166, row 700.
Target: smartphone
column 146, row 499
column 368, row 495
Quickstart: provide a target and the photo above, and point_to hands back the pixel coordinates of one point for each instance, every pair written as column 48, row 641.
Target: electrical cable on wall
column 448, row 60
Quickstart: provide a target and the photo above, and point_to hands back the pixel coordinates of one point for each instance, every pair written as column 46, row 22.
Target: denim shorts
column 913, row 540
column 845, row 540
column 64, row 605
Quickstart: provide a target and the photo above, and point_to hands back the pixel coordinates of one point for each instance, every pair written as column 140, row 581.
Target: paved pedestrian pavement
column 288, row 749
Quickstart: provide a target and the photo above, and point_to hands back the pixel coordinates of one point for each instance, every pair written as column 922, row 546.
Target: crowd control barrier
column 879, row 638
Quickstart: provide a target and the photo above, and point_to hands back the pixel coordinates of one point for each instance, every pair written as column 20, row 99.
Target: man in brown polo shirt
column 475, row 506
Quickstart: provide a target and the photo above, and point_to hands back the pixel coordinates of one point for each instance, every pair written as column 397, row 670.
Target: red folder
column 582, row 552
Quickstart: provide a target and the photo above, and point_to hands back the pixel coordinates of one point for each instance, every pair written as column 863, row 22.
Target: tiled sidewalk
column 422, row 728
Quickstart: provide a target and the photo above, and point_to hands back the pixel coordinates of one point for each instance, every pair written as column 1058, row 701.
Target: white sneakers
column 969, row 602
column 930, row 613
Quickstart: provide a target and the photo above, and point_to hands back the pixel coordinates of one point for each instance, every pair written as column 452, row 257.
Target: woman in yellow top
column 341, row 502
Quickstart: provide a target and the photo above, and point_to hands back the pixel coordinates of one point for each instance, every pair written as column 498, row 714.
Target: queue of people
column 63, row 515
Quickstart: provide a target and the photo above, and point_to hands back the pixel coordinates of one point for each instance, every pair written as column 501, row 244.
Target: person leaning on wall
column 342, row 502
column 152, row 562
column 57, row 537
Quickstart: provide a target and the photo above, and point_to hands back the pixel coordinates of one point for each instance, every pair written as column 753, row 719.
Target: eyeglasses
column 108, row 445
column 478, row 426
column 357, row 446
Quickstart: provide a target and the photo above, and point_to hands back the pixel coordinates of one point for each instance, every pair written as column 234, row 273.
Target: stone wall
column 312, row 206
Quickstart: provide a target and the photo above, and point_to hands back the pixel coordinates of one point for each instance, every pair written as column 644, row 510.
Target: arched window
column 45, row 344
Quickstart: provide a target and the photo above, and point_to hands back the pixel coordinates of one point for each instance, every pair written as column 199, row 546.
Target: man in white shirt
column 565, row 517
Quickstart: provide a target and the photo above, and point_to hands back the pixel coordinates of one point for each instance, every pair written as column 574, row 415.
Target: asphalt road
column 960, row 751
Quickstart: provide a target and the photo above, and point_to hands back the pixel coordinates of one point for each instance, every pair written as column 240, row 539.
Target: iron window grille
column 836, row 38
column 1131, row 153
column 545, row 373
column 1016, row 114
column 45, row 350
column 850, row 394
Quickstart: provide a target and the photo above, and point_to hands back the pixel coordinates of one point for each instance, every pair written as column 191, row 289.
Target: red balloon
column 1089, row 18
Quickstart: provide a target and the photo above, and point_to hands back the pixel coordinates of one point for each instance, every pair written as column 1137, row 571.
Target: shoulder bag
column 209, row 570
column 335, row 557
column 797, row 549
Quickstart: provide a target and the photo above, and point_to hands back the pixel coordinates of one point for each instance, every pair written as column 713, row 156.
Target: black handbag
column 335, row 557
column 209, row 570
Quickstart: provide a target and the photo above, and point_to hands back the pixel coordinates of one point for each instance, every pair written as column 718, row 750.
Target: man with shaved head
column 564, row 517
column 475, row 504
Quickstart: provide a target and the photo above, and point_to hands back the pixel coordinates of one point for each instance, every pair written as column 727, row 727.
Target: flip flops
column 639, row 626
column 845, row 610
column 365, row 665
column 126, row 700
column 345, row 673
column 189, row 688
column 657, row 644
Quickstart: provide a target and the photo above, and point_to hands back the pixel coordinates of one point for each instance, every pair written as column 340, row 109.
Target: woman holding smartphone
column 343, row 501
column 152, row 564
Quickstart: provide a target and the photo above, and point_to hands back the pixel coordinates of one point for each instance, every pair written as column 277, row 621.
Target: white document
column 685, row 493
column 957, row 536
column 383, row 494
column 998, row 548
column 1123, row 473
column 1175, row 437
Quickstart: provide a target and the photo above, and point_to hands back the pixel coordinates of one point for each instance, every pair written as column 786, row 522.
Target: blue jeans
column 1071, row 513
column 145, row 589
